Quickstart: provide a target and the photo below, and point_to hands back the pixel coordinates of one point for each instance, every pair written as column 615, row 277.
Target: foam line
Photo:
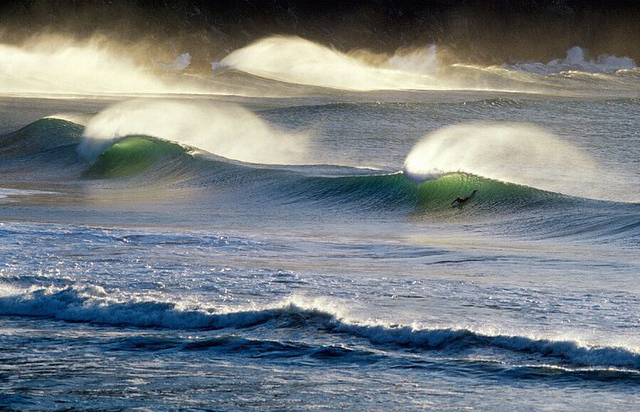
column 93, row 304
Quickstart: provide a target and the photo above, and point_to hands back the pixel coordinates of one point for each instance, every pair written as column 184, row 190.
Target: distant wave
column 296, row 60
column 95, row 305
column 576, row 60
column 453, row 162
column 295, row 66
column 64, row 66
column 299, row 61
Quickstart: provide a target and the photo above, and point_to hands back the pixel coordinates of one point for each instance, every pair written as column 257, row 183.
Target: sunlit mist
column 518, row 153
column 226, row 130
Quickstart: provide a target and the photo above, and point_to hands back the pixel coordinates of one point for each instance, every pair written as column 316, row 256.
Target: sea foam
column 94, row 304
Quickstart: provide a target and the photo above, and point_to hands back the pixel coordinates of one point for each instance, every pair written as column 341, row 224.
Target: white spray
column 66, row 67
column 55, row 65
column 226, row 130
column 511, row 152
column 296, row 60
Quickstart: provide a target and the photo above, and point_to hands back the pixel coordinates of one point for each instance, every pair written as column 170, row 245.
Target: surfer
column 461, row 200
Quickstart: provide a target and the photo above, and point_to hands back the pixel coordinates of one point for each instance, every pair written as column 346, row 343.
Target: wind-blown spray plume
column 62, row 66
column 518, row 153
column 223, row 129
column 295, row 60
column 179, row 63
column 66, row 67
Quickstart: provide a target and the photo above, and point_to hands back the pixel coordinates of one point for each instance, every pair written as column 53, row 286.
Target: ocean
column 304, row 229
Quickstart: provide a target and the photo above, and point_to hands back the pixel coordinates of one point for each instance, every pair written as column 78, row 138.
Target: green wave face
column 433, row 199
column 134, row 155
column 492, row 196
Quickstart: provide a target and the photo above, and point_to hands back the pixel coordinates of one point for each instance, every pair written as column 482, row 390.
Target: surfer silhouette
column 462, row 200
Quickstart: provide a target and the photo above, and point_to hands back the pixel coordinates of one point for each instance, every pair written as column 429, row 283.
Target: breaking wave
column 517, row 153
column 508, row 171
column 294, row 66
column 296, row 60
column 577, row 61
column 95, row 305
column 226, row 130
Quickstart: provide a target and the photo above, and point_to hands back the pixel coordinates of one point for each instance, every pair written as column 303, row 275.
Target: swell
column 248, row 347
column 149, row 160
column 41, row 137
column 94, row 305
column 48, row 149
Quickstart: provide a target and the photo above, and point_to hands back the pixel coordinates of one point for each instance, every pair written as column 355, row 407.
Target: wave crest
column 576, row 60
column 226, row 130
column 94, row 304
column 511, row 152
column 296, row 60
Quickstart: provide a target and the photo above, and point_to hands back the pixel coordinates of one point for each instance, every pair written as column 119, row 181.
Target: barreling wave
column 227, row 130
column 518, row 153
column 95, row 305
column 149, row 160
column 420, row 192
column 433, row 177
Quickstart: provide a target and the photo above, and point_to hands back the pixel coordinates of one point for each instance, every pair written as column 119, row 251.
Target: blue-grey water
column 297, row 245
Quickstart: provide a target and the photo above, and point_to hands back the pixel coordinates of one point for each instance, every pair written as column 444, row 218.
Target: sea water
column 295, row 244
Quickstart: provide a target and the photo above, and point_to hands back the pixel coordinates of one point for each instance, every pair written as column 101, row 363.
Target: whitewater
column 282, row 232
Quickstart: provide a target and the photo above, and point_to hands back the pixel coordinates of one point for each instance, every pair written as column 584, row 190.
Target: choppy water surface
column 228, row 252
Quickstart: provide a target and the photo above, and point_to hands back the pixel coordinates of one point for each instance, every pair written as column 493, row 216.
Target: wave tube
column 226, row 130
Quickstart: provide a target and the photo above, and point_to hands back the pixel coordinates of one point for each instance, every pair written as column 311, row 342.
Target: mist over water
column 49, row 64
column 296, row 60
column 223, row 129
column 518, row 153
column 58, row 65
column 193, row 215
